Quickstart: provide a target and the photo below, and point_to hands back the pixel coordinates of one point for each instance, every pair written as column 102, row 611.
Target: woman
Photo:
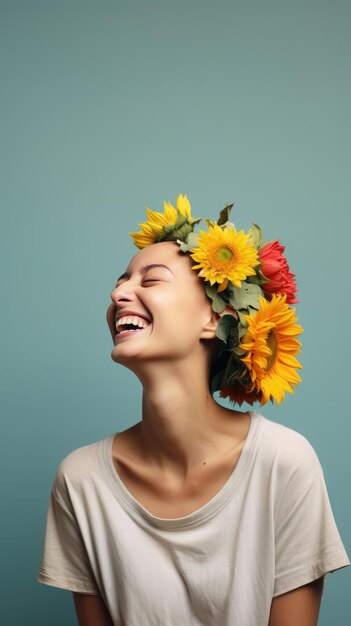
column 197, row 514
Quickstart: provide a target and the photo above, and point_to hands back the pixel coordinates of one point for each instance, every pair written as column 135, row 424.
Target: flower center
column 272, row 344
column 224, row 253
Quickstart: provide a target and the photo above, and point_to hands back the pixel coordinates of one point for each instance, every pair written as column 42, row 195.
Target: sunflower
column 152, row 230
column 224, row 254
column 270, row 344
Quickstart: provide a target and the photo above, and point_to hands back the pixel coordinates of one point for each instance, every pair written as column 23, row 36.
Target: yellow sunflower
column 151, row 230
column 224, row 254
column 271, row 345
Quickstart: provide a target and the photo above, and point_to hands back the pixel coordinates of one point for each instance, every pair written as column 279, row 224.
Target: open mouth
column 128, row 325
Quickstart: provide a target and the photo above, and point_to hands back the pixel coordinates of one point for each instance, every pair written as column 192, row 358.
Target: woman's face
column 160, row 287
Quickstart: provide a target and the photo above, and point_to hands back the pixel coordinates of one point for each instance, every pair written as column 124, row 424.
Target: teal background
column 108, row 107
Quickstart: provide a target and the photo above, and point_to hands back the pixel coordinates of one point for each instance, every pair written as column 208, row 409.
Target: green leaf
column 236, row 373
column 252, row 310
column 224, row 214
column 166, row 231
column 242, row 314
column 234, row 367
column 254, row 280
column 256, row 236
column 217, row 381
column 226, row 326
column 181, row 220
column 190, row 242
column 218, row 304
column 183, row 245
column 182, row 232
column 242, row 328
column 247, row 295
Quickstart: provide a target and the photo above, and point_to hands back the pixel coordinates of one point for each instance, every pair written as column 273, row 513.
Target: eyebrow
column 144, row 269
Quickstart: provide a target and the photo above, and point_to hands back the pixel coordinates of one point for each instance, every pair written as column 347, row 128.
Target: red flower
column 275, row 267
column 239, row 395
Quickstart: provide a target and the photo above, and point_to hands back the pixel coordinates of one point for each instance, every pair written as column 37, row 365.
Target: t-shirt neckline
column 207, row 510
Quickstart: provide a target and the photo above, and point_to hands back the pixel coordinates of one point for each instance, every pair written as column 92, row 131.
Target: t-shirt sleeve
column 65, row 561
column 308, row 544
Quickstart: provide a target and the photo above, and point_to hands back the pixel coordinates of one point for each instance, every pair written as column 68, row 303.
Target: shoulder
column 78, row 457
column 78, row 466
column 287, row 450
column 289, row 467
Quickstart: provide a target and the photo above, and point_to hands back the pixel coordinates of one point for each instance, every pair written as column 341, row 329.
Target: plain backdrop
column 108, row 107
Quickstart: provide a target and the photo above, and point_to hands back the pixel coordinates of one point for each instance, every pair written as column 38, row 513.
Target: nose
column 123, row 292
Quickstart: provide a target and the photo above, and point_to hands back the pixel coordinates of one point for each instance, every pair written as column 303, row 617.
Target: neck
column 182, row 425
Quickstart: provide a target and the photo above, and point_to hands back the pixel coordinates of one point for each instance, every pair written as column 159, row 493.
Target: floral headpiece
column 257, row 358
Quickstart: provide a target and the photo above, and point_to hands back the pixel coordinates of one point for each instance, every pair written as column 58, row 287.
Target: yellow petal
column 170, row 213
column 183, row 205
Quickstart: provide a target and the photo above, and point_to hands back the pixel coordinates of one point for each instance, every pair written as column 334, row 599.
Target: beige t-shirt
column 268, row 530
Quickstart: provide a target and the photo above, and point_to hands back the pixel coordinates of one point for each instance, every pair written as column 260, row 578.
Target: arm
column 299, row 607
column 91, row 610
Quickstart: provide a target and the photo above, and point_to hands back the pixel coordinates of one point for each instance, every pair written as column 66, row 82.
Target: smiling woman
column 197, row 514
column 164, row 296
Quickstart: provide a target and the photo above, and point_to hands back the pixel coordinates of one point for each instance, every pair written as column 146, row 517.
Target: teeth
column 136, row 321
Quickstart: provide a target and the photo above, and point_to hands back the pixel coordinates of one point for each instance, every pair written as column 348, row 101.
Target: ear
column 209, row 330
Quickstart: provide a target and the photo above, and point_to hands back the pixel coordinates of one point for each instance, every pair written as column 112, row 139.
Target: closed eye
column 151, row 280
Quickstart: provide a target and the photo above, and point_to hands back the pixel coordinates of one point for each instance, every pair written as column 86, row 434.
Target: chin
column 125, row 354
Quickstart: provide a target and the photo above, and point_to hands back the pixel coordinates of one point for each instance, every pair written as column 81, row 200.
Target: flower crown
column 257, row 357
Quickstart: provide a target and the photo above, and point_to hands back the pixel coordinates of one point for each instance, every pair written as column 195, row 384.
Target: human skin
column 181, row 422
